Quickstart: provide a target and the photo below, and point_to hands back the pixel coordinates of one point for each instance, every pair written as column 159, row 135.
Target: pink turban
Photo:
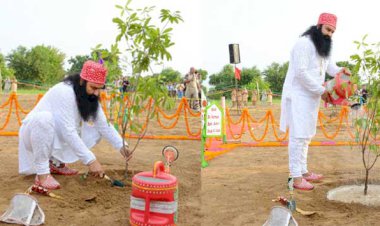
column 94, row 72
column 327, row 18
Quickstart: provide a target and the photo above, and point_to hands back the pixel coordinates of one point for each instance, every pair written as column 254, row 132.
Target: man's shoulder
column 304, row 40
column 62, row 88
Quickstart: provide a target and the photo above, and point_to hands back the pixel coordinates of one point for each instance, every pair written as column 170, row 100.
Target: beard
column 87, row 104
column 322, row 43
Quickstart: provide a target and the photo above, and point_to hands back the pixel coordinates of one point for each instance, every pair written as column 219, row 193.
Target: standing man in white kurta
column 302, row 92
column 64, row 125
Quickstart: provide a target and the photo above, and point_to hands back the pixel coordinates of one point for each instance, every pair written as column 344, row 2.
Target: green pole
column 204, row 163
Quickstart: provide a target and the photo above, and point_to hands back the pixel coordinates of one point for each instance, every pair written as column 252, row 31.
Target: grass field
column 27, row 91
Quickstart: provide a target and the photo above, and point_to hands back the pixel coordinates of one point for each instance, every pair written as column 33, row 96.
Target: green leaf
column 127, row 4
column 364, row 37
column 117, row 20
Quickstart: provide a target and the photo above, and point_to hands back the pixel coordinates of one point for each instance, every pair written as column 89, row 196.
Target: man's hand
column 126, row 153
column 346, row 71
column 96, row 169
column 326, row 97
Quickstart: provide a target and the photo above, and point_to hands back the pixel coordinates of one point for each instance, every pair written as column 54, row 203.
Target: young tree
column 147, row 41
column 367, row 63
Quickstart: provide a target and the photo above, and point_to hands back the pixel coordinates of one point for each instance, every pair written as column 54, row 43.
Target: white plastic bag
column 24, row 209
column 280, row 216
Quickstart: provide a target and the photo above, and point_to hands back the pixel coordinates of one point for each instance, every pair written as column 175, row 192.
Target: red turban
column 94, row 72
column 327, row 18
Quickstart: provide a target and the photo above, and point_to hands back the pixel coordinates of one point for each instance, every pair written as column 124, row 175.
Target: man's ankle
column 297, row 180
column 42, row 177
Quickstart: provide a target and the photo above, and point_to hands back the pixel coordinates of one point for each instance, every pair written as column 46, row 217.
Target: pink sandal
column 50, row 183
column 304, row 185
column 62, row 169
column 313, row 177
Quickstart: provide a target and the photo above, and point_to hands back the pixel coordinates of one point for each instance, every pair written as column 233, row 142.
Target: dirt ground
column 238, row 187
column 111, row 206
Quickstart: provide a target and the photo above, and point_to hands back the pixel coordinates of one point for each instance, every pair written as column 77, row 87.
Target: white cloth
column 303, row 86
column 298, row 149
column 54, row 128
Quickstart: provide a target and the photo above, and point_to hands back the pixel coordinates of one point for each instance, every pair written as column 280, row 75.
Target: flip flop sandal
column 62, row 170
column 50, row 183
column 304, row 185
column 313, row 177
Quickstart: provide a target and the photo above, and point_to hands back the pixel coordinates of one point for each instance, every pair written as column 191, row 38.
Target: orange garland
column 245, row 118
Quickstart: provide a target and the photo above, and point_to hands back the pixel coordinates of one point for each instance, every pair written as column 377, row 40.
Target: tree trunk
column 366, row 181
column 126, row 170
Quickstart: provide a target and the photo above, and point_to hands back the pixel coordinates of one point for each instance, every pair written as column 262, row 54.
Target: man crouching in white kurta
column 302, row 92
column 64, row 125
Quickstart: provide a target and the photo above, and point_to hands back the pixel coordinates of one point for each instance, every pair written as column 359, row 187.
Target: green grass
column 27, row 91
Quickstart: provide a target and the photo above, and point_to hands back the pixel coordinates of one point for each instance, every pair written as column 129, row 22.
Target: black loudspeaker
column 234, row 53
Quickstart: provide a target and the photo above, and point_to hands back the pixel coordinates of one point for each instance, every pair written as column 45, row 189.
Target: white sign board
column 214, row 121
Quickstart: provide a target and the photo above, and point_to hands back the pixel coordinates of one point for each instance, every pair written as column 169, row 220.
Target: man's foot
column 303, row 185
column 313, row 177
column 47, row 182
column 62, row 169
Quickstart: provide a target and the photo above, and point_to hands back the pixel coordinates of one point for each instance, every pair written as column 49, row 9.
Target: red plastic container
column 154, row 198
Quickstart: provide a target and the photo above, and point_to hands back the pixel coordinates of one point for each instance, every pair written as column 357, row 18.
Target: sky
column 265, row 30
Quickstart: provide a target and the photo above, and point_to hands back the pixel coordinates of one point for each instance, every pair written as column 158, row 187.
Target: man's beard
column 322, row 43
column 87, row 104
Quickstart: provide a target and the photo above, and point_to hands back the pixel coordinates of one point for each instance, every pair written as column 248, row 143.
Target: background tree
column 222, row 81
column 5, row 72
column 18, row 62
column 77, row 63
column 258, row 84
column 203, row 73
column 46, row 64
column 274, row 75
column 225, row 80
column 169, row 75
column 40, row 65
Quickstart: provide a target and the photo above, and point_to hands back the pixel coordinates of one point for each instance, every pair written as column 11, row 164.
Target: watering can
column 340, row 89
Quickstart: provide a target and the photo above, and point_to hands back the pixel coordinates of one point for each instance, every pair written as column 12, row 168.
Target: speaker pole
column 236, row 88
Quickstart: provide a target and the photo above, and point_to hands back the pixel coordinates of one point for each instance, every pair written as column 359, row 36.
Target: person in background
column 270, row 97
column 245, row 97
column 192, row 89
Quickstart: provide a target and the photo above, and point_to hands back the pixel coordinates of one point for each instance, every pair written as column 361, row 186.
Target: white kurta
column 71, row 140
column 303, row 87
